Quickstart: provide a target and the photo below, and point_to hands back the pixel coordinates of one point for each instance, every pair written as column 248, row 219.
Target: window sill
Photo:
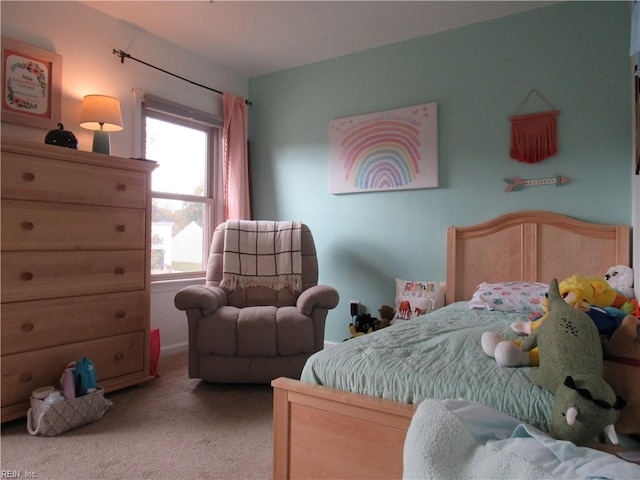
column 174, row 284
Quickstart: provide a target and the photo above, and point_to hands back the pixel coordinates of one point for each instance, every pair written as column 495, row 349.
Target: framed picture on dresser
column 31, row 83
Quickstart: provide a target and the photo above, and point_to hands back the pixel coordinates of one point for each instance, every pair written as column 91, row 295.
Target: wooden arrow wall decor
column 516, row 184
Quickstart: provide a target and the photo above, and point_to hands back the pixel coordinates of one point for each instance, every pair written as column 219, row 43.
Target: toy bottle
column 68, row 384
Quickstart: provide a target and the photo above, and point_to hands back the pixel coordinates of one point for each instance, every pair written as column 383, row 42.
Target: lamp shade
column 101, row 112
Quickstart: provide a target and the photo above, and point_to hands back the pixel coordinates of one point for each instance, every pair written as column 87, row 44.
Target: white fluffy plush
column 620, row 278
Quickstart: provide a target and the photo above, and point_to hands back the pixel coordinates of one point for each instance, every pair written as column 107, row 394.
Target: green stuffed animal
column 571, row 366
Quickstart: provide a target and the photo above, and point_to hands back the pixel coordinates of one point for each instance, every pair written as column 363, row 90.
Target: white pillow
column 518, row 297
column 417, row 298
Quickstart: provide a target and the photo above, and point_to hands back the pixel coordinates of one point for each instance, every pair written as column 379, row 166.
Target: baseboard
column 174, row 349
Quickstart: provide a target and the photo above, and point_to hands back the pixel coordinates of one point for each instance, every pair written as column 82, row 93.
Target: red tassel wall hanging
column 534, row 136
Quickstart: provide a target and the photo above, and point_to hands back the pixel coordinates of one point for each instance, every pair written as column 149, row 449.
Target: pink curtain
column 237, row 204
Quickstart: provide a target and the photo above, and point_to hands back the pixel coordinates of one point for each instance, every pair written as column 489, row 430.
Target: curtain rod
column 124, row 55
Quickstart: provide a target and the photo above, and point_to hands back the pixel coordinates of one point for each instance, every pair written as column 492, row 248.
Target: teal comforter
column 436, row 356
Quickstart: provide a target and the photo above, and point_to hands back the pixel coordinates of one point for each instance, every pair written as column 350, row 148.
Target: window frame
column 167, row 111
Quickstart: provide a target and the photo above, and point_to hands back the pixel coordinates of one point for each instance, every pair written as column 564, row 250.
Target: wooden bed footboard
column 325, row 433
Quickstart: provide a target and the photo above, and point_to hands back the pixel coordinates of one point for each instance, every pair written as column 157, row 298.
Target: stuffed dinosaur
column 571, row 367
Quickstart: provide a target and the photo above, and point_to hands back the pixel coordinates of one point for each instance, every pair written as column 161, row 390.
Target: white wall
column 86, row 39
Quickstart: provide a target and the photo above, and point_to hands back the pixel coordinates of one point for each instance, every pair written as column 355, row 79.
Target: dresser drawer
column 112, row 357
column 59, row 226
column 43, row 275
column 46, row 323
column 36, row 178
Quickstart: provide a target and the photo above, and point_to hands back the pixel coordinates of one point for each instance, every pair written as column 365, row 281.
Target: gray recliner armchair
column 254, row 333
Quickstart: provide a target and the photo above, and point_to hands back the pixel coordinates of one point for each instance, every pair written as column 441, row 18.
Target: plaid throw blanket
column 262, row 254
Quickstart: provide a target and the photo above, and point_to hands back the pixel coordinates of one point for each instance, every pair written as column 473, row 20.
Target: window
column 184, row 143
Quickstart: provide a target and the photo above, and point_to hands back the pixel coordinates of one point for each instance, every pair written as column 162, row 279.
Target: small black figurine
column 61, row 137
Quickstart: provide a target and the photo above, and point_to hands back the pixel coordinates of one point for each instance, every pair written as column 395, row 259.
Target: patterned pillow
column 417, row 298
column 518, row 297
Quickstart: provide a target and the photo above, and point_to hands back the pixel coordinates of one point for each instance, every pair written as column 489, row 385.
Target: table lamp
column 102, row 114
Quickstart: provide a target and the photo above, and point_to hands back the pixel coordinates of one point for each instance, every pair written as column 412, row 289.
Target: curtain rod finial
column 121, row 54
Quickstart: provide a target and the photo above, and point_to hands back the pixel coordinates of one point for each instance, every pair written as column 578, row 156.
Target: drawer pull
column 29, row 177
column 121, row 314
column 27, row 327
column 121, row 228
column 27, row 225
column 122, row 187
column 119, row 270
column 27, row 276
column 26, row 377
column 119, row 356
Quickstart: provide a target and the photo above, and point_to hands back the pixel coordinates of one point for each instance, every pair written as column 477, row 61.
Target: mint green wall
column 574, row 53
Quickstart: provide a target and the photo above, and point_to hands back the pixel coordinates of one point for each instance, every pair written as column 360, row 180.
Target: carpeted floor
column 170, row 428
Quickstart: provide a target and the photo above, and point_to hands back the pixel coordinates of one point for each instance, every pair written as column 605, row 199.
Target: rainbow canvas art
column 391, row 150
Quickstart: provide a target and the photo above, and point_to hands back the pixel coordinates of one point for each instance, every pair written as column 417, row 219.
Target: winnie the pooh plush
column 622, row 372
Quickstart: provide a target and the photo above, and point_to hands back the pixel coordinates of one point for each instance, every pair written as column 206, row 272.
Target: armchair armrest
column 203, row 297
column 322, row 296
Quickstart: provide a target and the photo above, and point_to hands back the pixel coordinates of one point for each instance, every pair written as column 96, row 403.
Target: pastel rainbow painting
column 391, row 150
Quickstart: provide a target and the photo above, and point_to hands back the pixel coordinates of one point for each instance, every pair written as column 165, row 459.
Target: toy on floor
column 363, row 324
column 571, row 366
column 622, row 372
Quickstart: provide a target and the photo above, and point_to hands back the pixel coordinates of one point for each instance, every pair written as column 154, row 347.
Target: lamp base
column 101, row 142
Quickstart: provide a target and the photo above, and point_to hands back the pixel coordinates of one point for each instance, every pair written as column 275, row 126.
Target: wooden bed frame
column 321, row 432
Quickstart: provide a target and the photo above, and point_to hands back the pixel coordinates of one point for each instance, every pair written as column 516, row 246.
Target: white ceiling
column 258, row 37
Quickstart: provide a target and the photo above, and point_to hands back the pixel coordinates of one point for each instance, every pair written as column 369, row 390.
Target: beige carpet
column 172, row 427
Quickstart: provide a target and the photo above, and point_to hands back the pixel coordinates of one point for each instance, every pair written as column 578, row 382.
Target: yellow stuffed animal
column 595, row 291
column 577, row 291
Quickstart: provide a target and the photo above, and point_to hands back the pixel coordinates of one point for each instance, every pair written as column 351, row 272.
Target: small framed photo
column 31, row 82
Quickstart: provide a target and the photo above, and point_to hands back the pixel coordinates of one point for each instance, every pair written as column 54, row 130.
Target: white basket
column 50, row 419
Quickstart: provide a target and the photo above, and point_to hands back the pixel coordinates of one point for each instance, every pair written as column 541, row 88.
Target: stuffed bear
column 386, row 315
column 571, row 367
column 622, row 372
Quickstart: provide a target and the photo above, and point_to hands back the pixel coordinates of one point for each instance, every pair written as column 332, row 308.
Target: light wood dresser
column 75, row 268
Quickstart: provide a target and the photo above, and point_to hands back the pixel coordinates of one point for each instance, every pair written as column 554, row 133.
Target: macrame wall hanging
column 534, row 136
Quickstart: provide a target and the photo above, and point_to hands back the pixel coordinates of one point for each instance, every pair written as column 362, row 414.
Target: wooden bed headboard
column 531, row 246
